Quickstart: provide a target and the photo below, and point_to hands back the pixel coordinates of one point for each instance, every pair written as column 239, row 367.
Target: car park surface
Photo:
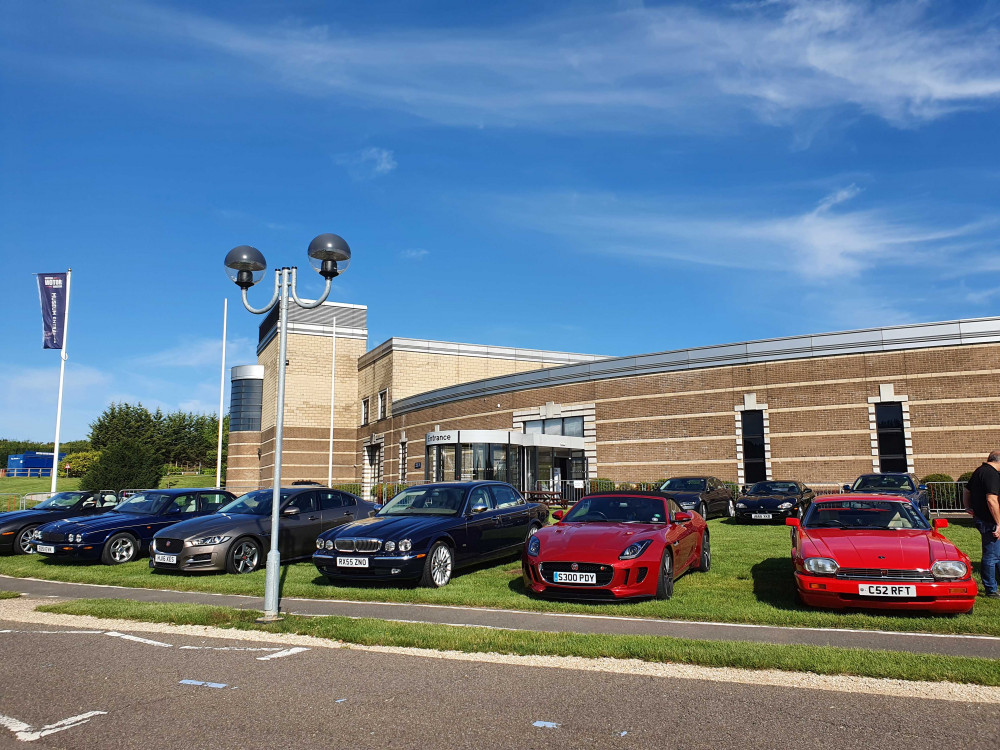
column 766, row 501
column 125, row 532
column 426, row 532
column 236, row 539
column 709, row 497
column 17, row 526
column 877, row 552
column 617, row 545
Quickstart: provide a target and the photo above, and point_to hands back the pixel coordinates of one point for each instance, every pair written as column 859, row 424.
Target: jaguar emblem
column 574, row 566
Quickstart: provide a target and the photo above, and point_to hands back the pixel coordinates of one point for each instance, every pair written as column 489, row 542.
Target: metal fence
column 946, row 497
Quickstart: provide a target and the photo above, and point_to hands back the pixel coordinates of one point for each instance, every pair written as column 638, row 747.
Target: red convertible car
column 877, row 552
column 616, row 545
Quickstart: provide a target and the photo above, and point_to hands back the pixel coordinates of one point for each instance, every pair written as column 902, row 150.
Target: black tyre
column 665, row 584
column 243, row 556
column 532, row 530
column 703, row 511
column 121, row 548
column 706, row 554
column 438, row 566
column 21, row 546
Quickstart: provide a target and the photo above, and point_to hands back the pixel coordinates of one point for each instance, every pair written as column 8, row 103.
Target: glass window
column 402, row 461
column 330, row 499
column 383, row 404
column 480, row 495
column 212, row 501
column 431, row 501
column 533, row 427
column 364, row 411
column 552, row 427
column 306, row 502
column 498, row 462
column 754, row 454
column 505, row 497
column 183, row 504
column 348, row 499
column 447, row 466
column 891, row 440
column 573, row 426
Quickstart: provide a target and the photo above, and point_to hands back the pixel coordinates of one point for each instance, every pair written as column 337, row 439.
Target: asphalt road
column 952, row 645
column 324, row 698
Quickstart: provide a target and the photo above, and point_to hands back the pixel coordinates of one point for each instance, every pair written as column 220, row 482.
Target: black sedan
column 706, row 496
column 767, row 501
column 425, row 532
column 894, row 483
column 17, row 526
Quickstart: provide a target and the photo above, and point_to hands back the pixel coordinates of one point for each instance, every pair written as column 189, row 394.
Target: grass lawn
column 24, row 485
column 818, row 659
column 9, row 595
column 750, row 582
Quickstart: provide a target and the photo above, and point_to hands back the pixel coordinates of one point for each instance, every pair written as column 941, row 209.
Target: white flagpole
column 333, row 388
column 222, row 395
column 62, row 374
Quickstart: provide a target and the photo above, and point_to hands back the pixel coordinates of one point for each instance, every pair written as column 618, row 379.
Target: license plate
column 761, row 516
column 352, row 562
column 563, row 577
column 46, row 549
column 878, row 589
column 168, row 559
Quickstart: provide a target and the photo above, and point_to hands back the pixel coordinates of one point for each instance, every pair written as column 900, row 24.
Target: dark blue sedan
column 124, row 533
column 426, row 532
column 894, row 483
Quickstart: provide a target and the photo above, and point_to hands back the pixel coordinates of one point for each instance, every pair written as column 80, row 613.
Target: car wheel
column 532, row 530
column 703, row 511
column 243, row 556
column 21, row 546
column 121, row 548
column 731, row 510
column 665, row 584
column 438, row 566
column 706, row 554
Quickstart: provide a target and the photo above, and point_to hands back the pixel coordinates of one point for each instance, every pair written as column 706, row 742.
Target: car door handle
column 313, row 518
column 347, row 513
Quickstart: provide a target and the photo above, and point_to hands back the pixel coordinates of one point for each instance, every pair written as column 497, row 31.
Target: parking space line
column 26, row 733
column 280, row 654
column 137, row 639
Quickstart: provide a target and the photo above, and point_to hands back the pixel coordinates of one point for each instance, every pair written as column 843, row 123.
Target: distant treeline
column 16, row 447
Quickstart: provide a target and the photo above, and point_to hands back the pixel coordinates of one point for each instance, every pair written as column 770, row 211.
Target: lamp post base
column 271, row 586
column 266, row 618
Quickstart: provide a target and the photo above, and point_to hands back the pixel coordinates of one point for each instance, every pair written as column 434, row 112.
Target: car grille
column 357, row 545
column 604, row 572
column 169, row 545
column 51, row 536
column 883, row 574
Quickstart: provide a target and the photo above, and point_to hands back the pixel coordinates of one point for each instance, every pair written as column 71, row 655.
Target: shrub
column 936, row 478
column 125, row 464
column 80, row 463
column 965, row 477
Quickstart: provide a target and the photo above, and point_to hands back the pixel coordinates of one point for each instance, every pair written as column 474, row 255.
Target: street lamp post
column 330, row 256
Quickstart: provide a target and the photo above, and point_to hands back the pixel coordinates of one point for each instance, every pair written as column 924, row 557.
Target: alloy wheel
column 122, row 550
column 245, row 557
column 23, row 540
column 441, row 565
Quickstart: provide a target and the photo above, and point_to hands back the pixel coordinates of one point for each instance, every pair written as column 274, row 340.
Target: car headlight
column 534, row 546
column 405, row 545
column 635, row 549
column 823, row 566
column 79, row 538
column 784, row 506
column 390, row 546
column 949, row 569
column 741, row 505
column 329, row 544
column 320, row 544
column 207, row 541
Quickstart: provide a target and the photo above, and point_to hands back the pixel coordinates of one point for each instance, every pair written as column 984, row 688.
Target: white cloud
column 631, row 68
column 368, row 163
column 416, row 253
column 198, row 353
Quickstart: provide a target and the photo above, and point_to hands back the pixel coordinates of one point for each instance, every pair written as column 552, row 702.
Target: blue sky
column 611, row 178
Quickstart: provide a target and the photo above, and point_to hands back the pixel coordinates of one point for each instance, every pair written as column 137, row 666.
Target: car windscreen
column 599, row 509
column 256, row 503
column 61, row 501
column 864, row 514
column 430, row 501
column 883, row 483
column 684, row 485
column 774, row 488
column 144, row 503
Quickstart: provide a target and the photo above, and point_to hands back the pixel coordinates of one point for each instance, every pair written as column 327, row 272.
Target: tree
column 80, row 463
column 127, row 463
column 134, row 422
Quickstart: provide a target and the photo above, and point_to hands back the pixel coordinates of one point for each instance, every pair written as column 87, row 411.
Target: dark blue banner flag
column 52, row 293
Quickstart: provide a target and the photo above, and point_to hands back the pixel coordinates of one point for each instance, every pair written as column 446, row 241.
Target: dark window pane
column 892, row 463
column 755, row 471
column 889, row 416
column 753, row 423
column 891, row 443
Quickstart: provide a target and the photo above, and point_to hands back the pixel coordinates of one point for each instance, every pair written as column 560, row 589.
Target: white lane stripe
column 651, row 620
column 25, row 733
column 280, row 654
column 137, row 639
column 199, row 683
column 230, row 648
column 55, row 632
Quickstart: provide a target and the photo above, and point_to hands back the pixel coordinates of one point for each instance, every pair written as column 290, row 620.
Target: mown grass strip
column 9, row 595
column 372, row 632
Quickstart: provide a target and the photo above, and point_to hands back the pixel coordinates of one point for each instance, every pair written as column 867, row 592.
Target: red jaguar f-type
column 877, row 552
column 616, row 545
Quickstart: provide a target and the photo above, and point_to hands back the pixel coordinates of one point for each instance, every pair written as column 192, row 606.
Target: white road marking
column 26, row 733
column 280, row 654
column 199, row 683
column 137, row 639
column 230, row 648
column 546, row 724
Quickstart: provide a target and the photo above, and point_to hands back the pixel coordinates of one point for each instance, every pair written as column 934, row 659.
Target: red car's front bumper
column 630, row 579
column 834, row 593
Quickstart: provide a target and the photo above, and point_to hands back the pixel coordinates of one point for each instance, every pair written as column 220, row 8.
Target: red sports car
column 616, row 545
column 877, row 552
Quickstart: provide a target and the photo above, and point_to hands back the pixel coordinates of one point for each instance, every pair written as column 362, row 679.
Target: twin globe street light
column 330, row 256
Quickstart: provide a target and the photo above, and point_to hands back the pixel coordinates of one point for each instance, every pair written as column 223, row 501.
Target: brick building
column 821, row 408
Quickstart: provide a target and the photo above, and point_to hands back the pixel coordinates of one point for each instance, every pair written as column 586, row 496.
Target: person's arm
column 993, row 505
column 967, row 500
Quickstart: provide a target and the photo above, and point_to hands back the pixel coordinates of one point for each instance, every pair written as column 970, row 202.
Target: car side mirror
column 846, row 488
column 793, row 522
column 479, row 506
column 683, row 516
column 922, row 487
column 291, row 512
column 372, row 513
column 558, row 515
column 378, row 507
column 940, row 523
